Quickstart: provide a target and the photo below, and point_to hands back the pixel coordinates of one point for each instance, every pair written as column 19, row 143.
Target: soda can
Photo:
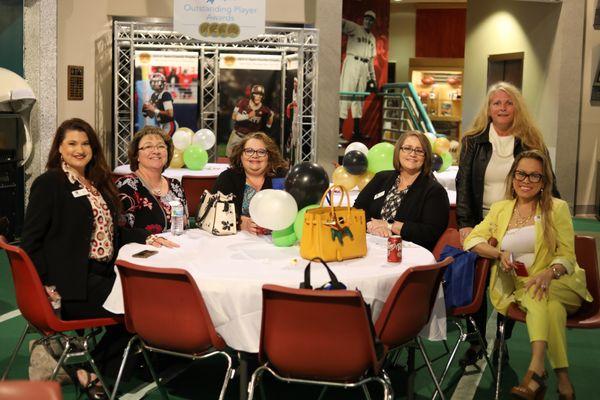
column 394, row 249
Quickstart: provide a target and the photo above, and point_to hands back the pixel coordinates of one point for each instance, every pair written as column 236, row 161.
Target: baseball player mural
column 160, row 105
column 249, row 115
column 358, row 71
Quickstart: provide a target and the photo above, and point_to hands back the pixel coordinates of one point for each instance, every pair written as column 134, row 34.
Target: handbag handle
column 344, row 194
column 335, row 284
column 211, row 201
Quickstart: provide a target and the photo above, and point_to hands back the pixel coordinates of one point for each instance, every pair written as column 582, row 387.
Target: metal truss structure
column 131, row 36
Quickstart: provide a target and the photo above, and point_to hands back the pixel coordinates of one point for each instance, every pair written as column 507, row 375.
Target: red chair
column 27, row 390
column 166, row 312
column 193, row 187
column 588, row 316
column 450, row 237
column 35, row 308
column 318, row 337
column 408, row 308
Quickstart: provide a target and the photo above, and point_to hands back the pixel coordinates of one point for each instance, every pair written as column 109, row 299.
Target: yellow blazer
column 502, row 284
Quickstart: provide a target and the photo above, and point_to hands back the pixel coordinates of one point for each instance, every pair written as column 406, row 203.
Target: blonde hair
column 544, row 196
column 522, row 127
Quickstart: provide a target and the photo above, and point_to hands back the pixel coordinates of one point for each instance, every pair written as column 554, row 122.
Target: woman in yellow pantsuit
column 534, row 229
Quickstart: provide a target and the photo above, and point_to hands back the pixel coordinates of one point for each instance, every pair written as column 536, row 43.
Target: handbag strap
column 335, row 283
column 332, row 190
column 211, row 201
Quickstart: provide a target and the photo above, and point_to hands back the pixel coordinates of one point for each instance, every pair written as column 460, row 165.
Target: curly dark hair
column 133, row 150
column 97, row 170
column 275, row 163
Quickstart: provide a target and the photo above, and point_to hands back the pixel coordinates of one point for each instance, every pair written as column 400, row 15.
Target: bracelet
column 151, row 239
column 556, row 272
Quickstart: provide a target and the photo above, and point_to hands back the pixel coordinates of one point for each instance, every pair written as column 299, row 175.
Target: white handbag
column 217, row 214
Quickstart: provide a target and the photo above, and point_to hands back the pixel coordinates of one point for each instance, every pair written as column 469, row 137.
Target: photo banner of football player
column 291, row 122
column 365, row 37
column 249, row 98
column 166, row 89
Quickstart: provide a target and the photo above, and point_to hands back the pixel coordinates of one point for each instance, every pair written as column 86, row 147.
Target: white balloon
column 182, row 138
column 357, row 146
column 205, row 138
column 273, row 209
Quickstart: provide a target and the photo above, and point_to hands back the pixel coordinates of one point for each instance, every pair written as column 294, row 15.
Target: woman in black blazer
column 254, row 162
column 72, row 236
column 407, row 201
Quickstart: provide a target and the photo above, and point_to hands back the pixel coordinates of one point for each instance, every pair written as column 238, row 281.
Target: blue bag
column 459, row 276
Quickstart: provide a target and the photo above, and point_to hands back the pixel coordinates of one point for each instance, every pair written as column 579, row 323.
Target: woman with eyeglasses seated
column 146, row 194
column 407, row 201
column 535, row 267
column 254, row 162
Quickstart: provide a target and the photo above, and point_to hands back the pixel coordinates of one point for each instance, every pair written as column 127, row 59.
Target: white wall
column 403, row 20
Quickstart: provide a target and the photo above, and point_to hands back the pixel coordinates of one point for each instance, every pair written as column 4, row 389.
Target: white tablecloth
column 211, row 170
column 448, row 178
column 231, row 270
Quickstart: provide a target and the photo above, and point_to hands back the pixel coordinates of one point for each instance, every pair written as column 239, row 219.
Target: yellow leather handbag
column 334, row 233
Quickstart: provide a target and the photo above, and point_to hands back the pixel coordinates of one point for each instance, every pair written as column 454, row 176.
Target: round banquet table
column 231, row 270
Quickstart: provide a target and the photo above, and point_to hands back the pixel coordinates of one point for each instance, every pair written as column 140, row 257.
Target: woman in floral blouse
column 145, row 193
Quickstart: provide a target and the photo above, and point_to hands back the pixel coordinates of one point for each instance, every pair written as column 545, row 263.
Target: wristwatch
column 390, row 223
column 556, row 272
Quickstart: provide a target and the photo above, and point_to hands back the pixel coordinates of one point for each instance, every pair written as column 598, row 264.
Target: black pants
column 109, row 350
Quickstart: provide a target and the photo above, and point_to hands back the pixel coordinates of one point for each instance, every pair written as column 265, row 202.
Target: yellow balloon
column 441, row 146
column 364, row 179
column 343, row 178
column 177, row 160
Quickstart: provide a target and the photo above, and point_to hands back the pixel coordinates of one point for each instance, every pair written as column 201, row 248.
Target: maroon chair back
column 450, row 237
column 408, row 306
column 308, row 334
column 588, row 316
column 193, row 187
column 29, row 291
column 27, row 390
column 165, row 308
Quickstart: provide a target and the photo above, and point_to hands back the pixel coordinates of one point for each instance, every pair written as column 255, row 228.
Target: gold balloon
column 343, row 178
column 364, row 179
column 177, row 160
column 441, row 146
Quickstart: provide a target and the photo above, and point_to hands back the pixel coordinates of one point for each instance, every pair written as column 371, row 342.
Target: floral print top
column 142, row 209
column 101, row 242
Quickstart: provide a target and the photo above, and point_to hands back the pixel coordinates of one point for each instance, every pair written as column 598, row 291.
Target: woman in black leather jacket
column 502, row 129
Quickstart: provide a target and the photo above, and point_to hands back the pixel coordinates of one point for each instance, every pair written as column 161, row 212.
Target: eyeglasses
column 249, row 152
column 157, row 147
column 533, row 177
column 409, row 149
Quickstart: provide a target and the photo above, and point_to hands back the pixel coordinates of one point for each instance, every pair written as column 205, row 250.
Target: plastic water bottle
column 177, row 216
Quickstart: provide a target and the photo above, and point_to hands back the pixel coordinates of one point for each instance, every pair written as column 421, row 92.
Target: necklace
column 520, row 220
column 155, row 191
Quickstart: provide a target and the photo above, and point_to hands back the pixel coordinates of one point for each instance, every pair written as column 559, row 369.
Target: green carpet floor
column 202, row 380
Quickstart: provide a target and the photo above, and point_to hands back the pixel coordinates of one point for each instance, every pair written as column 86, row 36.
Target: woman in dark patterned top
column 408, row 200
column 145, row 194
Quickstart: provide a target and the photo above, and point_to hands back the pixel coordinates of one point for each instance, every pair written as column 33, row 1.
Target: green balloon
column 447, row 161
column 381, row 157
column 195, row 157
column 284, row 237
column 299, row 222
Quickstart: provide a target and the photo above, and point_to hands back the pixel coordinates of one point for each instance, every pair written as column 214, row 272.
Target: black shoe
column 471, row 357
column 496, row 353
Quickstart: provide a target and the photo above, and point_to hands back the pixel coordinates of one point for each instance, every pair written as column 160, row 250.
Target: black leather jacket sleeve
column 464, row 187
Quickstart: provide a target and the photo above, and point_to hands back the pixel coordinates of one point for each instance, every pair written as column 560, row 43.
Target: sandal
column 93, row 389
column 570, row 396
column 471, row 357
column 524, row 392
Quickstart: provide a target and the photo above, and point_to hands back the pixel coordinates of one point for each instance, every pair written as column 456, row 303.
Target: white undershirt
column 495, row 174
column 521, row 243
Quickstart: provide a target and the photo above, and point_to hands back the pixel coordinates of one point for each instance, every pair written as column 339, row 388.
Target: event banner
column 166, row 89
column 219, row 21
column 365, row 27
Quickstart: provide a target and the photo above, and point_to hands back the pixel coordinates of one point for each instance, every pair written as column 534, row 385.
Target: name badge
column 79, row 193
column 378, row 195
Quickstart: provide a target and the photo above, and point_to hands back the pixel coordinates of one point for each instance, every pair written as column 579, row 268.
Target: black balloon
column 436, row 162
column 355, row 162
column 307, row 182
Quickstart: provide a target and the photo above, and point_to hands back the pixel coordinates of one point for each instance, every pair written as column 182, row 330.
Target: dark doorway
column 506, row 67
column 391, row 72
